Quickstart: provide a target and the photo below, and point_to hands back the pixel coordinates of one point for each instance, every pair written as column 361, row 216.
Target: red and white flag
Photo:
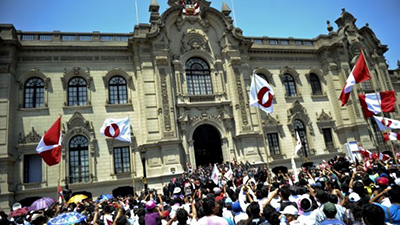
column 60, row 194
column 261, row 94
column 359, row 74
column 370, row 102
column 119, row 129
column 215, row 174
column 229, row 174
column 294, row 170
column 393, row 136
column 364, row 152
column 49, row 147
column 298, row 144
column 385, row 123
column 380, row 156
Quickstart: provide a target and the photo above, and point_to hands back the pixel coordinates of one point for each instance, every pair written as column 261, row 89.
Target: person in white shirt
column 210, row 208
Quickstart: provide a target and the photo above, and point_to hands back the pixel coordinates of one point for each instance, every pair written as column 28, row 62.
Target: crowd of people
column 340, row 191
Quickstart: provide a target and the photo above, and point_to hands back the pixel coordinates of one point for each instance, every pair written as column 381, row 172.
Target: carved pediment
column 76, row 71
column 270, row 121
column 31, row 137
column 194, row 40
column 297, row 108
column 324, row 117
column 78, row 121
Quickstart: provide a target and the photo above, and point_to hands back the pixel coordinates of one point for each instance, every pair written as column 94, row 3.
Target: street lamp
column 143, row 157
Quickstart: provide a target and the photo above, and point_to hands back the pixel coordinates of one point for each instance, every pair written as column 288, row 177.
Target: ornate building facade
column 184, row 80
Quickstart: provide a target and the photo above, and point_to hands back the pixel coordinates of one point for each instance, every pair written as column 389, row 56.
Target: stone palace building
column 184, row 81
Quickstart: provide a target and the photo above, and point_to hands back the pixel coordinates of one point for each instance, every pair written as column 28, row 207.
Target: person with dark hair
column 330, row 213
column 323, row 198
column 210, row 209
column 373, row 215
column 392, row 213
column 353, row 209
column 306, row 207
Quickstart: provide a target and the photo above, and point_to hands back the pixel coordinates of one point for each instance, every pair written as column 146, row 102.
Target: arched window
column 117, row 90
column 290, row 86
column 34, row 93
column 198, row 77
column 315, row 84
column 77, row 91
column 377, row 133
column 78, row 159
column 301, row 129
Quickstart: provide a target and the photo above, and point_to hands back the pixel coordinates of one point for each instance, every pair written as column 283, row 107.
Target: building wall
column 163, row 115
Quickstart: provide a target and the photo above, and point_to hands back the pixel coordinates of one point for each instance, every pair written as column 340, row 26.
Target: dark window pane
column 328, row 138
column 290, row 86
column 273, row 143
column 77, row 91
column 315, row 84
column 122, row 162
column 198, row 77
column 300, row 128
column 34, row 93
column 377, row 133
column 117, row 90
column 79, row 159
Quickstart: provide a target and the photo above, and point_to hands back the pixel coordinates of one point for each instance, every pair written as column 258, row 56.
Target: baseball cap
column 150, row 204
column 236, row 207
column 354, row 197
column 291, row 210
column 382, row 181
column 177, row 190
column 329, row 207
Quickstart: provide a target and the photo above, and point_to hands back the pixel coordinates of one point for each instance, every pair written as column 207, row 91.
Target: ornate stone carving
column 242, row 103
column 194, row 40
column 271, row 124
column 165, row 102
column 31, row 137
column 297, row 111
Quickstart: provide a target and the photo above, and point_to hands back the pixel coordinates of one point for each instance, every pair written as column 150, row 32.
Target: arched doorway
column 207, row 145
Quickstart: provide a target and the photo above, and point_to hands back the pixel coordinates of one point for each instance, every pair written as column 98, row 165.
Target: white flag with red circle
column 261, row 94
column 119, row 129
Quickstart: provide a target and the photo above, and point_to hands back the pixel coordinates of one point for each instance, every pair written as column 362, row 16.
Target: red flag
column 370, row 102
column 391, row 136
column 49, row 146
column 364, row 152
column 60, row 194
column 380, row 156
column 359, row 74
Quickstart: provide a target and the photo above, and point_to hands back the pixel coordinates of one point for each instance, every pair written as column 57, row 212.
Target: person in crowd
column 330, row 211
column 373, row 215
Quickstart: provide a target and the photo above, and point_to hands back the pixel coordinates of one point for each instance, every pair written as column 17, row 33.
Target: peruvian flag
column 359, row 74
column 364, row 152
column 384, row 123
column 370, row 102
column 119, row 129
column 49, row 146
column 380, row 156
column 261, row 94
column 60, row 194
column 229, row 173
column 391, row 136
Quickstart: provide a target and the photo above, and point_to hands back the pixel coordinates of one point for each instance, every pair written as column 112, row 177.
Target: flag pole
column 260, row 124
column 59, row 168
column 380, row 106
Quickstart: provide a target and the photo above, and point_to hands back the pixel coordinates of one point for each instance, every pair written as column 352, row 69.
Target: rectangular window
column 273, row 42
column 298, row 42
column 284, row 42
column 328, row 138
column 68, row 38
column 32, row 168
column 273, row 143
column 366, row 85
column 28, row 37
column 45, row 37
column 308, row 43
column 106, row 38
column 122, row 162
column 85, row 38
column 258, row 41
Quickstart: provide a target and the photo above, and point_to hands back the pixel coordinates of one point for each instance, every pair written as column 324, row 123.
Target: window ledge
column 298, row 97
column 34, row 109
column 119, row 105
column 123, row 175
column 277, row 157
column 332, row 149
column 78, row 107
column 32, row 185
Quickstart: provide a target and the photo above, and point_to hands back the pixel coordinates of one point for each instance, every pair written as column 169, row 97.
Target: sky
column 272, row 18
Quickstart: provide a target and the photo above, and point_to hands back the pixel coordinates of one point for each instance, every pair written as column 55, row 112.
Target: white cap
column 397, row 181
column 177, row 190
column 354, row 197
column 291, row 210
column 16, row 206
